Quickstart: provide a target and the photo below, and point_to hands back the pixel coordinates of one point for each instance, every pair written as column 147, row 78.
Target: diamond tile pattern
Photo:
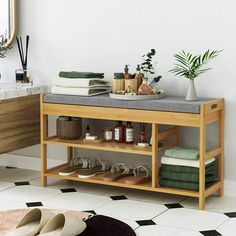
column 68, row 190
column 22, row 183
column 210, row 233
column 34, row 204
column 121, row 197
column 231, row 214
column 146, row 213
column 173, row 205
column 145, row 222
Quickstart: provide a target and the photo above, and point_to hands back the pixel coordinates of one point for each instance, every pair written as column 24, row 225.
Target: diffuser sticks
column 21, row 75
column 23, row 56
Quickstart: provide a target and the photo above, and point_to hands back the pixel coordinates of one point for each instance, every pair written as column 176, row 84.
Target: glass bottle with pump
column 126, row 74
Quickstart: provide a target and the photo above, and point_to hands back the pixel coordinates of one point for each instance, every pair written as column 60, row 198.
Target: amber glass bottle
column 129, row 133
column 145, row 88
column 119, row 132
column 138, row 77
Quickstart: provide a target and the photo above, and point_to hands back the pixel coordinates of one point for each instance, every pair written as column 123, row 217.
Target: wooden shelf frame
column 210, row 112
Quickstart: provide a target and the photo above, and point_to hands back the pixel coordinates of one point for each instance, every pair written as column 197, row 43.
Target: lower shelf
column 119, row 183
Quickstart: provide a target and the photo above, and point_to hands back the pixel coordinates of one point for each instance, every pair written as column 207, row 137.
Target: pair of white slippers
column 44, row 223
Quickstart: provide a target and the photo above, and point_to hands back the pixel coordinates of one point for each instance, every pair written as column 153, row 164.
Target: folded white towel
column 80, row 91
column 81, row 83
column 183, row 162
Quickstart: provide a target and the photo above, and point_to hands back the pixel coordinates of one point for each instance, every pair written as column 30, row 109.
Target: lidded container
column 69, row 127
column 118, row 83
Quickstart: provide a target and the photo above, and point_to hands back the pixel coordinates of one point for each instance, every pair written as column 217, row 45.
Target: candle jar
column 23, row 76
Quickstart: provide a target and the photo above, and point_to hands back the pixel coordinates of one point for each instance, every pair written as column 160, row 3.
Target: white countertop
column 15, row 90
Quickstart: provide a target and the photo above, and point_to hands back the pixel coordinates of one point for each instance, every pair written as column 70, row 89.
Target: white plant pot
column 191, row 94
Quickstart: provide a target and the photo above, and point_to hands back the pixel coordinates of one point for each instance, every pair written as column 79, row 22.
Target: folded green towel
column 186, row 169
column 182, row 153
column 186, row 177
column 182, row 185
column 77, row 74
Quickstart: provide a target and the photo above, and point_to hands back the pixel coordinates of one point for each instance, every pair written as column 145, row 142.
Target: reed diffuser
column 143, row 137
column 22, row 74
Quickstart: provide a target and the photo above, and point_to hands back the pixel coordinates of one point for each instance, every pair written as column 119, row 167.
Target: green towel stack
column 185, row 176
column 182, row 153
column 81, row 75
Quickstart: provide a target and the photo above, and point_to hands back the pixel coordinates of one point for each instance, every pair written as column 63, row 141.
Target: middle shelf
column 113, row 146
column 106, row 146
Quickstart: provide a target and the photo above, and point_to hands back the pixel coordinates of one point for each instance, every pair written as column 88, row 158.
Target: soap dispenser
column 130, row 83
column 126, row 74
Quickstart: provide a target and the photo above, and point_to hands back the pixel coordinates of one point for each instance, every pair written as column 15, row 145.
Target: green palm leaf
column 191, row 66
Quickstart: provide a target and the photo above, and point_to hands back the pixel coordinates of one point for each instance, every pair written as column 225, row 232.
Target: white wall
column 104, row 35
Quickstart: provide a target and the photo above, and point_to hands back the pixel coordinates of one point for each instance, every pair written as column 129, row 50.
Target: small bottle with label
column 87, row 132
column 108, row 134
column 119, row 132
column 129, row 133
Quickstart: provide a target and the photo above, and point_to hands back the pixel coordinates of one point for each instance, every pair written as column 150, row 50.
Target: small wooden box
column 69, row 129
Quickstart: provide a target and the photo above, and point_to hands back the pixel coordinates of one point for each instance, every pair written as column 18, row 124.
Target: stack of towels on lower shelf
column 80, row 83
column 180, row 169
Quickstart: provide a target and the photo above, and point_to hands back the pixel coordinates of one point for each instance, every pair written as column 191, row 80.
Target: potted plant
column 3, row 49
column 192, row 66
column 148, row 68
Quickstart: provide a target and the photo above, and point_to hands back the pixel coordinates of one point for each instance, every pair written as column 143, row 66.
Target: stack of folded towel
column 180, row 169
column 80, row 83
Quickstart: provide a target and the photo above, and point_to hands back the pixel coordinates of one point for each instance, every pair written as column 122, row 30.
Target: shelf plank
column 213, row 188
column 53, row 173
column 213, row 153
column 111, row 146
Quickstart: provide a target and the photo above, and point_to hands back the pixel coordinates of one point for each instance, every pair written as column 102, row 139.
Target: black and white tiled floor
column 147, row 213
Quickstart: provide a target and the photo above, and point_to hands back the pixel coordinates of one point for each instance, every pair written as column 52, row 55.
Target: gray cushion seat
column 167, row 103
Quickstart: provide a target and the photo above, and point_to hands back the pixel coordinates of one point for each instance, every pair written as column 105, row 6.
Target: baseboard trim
column 33, row 163
column 25, row 162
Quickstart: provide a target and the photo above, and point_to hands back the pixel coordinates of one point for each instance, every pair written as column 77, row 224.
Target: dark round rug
column 100, row 225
